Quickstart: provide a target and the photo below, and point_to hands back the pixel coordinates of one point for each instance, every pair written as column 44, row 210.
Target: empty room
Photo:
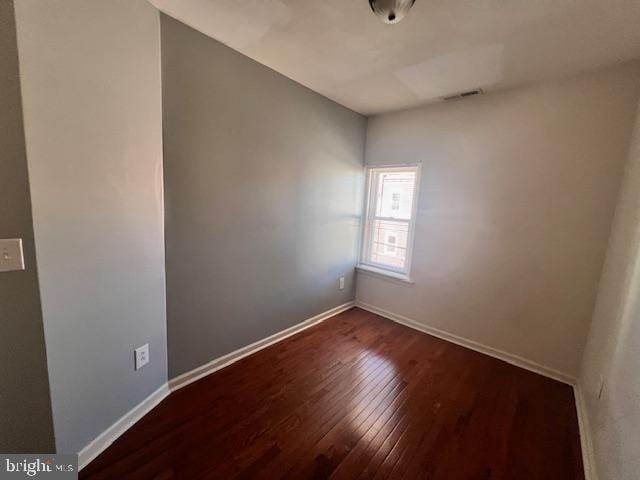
column 320, row 239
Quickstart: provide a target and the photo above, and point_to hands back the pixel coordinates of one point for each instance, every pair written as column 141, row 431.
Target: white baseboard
column 470, row 344
column 586, row 442
column 111, row 434
column 221, row 362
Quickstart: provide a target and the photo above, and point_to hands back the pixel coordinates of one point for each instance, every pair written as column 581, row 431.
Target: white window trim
column 388, row 275
column 372, row 268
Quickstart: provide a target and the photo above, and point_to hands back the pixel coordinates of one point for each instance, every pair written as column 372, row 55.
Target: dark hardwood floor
column 356, row 397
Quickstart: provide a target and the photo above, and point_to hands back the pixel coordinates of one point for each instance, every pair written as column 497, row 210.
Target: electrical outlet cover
column 141, row 355
column 11, row 255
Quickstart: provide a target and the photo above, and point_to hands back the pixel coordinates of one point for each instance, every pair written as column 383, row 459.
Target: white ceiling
column 340, row 49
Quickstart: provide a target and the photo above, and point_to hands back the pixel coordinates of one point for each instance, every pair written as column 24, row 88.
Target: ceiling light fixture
column 391, row 11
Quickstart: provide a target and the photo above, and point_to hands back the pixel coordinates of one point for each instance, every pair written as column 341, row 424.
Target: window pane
column 389, row 243
column 394, row 192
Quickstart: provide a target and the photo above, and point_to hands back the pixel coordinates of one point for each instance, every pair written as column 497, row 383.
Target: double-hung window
column 389, row 225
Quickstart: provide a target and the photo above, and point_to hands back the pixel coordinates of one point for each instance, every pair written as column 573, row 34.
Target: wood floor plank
column 357, row 396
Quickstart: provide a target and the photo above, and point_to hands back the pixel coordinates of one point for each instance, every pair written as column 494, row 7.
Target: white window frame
column 370, row 205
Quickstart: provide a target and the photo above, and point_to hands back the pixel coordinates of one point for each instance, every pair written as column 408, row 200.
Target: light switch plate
column 11, row 256
column 341, row 283
column 141, row 355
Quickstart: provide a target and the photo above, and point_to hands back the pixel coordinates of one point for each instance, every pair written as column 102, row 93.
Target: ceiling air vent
column 458, row 96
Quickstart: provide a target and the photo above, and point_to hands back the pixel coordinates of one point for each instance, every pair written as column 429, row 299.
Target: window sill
column 383, row 274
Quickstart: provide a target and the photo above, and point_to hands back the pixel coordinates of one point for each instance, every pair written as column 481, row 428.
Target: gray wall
column 263, row 195
column 612, row 354
column 25, row 412
column 516, row 204
column 92, row 106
